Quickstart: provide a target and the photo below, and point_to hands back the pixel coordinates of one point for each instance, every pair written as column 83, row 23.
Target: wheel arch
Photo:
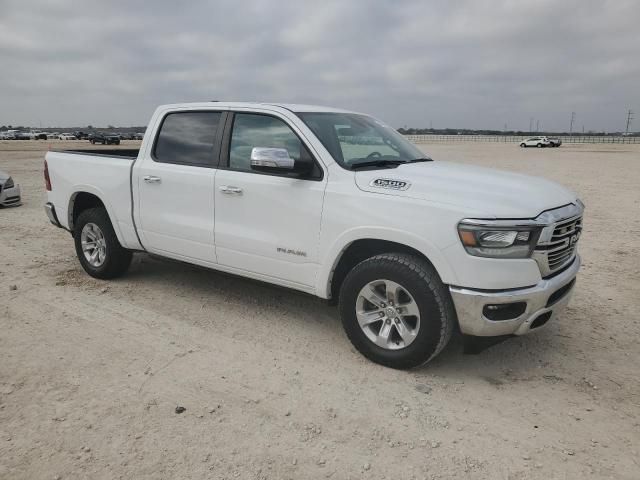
column 348, row 253
column 86, row 197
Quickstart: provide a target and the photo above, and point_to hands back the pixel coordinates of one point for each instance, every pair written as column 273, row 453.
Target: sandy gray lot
column 91, row 371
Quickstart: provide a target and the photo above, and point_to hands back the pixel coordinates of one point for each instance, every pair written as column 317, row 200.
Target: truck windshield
column 360, row 141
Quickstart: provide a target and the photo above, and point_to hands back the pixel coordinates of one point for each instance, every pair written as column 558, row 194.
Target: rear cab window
column 188, row 138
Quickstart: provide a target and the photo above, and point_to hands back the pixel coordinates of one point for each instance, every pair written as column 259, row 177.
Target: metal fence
column 517, row 139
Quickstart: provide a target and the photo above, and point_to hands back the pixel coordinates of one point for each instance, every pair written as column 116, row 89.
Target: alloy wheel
column 387, row 314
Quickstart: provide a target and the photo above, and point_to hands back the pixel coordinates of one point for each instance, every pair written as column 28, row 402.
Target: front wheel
column 97, row 246
column 396, row 311
column 523, row 145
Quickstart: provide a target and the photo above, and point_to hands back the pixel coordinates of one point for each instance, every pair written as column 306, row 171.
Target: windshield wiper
column 376, row 163
column 386, row 163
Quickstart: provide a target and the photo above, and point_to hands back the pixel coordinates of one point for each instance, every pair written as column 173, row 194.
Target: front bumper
column 543, row 302
column 10, row 197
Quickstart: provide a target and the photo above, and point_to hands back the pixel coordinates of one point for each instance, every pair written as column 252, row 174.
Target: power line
column 573, row 117
column 629, row 118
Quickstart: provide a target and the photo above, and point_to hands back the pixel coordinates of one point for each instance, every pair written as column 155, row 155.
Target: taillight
column 47, row 180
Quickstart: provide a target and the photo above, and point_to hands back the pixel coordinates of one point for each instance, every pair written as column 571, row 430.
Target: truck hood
column 483, row 191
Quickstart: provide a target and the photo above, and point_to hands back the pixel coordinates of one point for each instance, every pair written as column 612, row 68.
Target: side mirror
column 268, row 159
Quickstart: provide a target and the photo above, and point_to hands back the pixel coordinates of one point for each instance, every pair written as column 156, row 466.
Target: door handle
column 151, row 179
column 228, row 190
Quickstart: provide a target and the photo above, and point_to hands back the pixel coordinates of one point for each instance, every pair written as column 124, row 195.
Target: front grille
column 560, row 248
column 564, row 242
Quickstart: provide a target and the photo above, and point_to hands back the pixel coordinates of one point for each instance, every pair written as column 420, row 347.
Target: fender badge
column 390, row 183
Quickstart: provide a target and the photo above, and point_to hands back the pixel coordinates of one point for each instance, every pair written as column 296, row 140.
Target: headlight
column 498, row 241
column 8, row 183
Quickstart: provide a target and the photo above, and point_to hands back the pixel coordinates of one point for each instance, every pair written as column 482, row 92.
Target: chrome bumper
column 541, row 305
column 50, row 210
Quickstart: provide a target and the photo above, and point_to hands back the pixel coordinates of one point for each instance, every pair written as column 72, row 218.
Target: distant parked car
column 81, row 135
column 9, row 191
column 23, row 136
column 40, row 136
column 138, row 136
column 554, row 142
column 67, row 136
column 539, row 142
column 104, row 139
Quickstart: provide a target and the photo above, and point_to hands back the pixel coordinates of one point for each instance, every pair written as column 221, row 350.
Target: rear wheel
column 539, row 145
column 523, row 145
column 97, row 246
column 396, row 311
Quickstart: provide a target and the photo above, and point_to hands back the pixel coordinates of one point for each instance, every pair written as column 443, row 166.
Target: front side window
column 354, row 139
column 187, row 138
column 254, row 130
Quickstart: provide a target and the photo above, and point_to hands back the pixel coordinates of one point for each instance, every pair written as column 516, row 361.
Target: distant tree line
column 520, row 133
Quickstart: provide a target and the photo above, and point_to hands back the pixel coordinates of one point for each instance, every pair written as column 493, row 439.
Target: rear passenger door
column 175, row 182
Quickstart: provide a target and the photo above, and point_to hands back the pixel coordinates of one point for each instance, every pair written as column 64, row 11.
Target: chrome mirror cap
column 268, row 157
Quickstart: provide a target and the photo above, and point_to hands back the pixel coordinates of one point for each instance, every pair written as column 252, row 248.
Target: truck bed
column 106, row 152
column 104, row 173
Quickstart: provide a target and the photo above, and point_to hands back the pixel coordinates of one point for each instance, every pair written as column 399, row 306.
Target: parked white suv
column 539, row 142
column 333, row 203
column 67, row 136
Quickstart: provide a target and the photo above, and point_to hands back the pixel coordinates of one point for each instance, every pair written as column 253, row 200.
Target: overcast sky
column 463, row 64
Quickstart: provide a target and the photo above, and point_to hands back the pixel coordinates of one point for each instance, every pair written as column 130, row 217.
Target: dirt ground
column 91, row 372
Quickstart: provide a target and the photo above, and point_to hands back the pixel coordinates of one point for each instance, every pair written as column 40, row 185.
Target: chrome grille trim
column 558, row 242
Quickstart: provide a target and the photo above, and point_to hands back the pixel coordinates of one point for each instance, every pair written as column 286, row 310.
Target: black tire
column 539, row 145
column 117, row 258
column 523, row 145
column 92, row 141
column 419, row 278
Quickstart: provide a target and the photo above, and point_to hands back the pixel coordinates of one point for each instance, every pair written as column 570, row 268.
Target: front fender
column 332, row 256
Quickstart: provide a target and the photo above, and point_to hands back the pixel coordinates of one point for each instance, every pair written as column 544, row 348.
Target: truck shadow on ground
column 193, row 283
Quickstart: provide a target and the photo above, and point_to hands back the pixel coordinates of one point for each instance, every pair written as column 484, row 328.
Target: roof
column 296, row 107
column 288, row 106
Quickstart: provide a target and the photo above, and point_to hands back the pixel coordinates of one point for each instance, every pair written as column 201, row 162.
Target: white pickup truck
column 333, row 203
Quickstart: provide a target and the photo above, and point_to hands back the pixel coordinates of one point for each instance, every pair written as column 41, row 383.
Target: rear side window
column 188, row 138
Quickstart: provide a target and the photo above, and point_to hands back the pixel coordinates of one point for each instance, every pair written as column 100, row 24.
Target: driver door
column 267, row 223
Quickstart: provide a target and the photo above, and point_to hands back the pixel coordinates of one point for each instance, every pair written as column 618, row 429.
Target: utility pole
column 531, row 125
column 537, row 126
column 629, row 118
column 573, row 117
